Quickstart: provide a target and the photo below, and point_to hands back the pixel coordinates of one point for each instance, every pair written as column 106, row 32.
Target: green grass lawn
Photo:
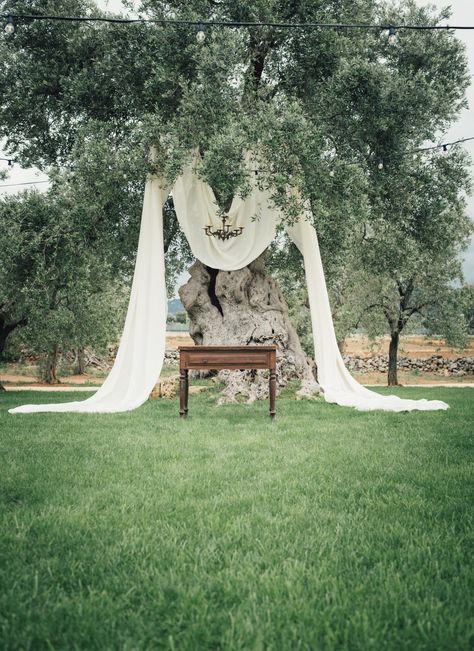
column 328, row 529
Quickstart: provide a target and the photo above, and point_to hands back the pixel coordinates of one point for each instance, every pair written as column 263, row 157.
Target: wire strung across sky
column 224, row 23
column 444, row 146
column 12, row 185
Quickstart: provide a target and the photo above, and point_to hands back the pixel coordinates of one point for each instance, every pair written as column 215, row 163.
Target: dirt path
column 412, row 346
column 12, row 378
column 46, row 387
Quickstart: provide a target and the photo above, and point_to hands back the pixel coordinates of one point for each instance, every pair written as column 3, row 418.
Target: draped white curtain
column 142, row 345
column 338, row 384
column 141, row 352
column 196, row 207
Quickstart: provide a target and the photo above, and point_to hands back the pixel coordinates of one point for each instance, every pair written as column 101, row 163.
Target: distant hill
column 174, row 306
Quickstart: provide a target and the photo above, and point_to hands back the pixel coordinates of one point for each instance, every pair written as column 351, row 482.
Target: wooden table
column 216, row 358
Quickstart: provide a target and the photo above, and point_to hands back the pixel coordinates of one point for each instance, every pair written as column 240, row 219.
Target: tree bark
column 50, row 368
column 3, row 340
column 245, row 307
column 6, row 329
column 392, row 358
column 80, row 361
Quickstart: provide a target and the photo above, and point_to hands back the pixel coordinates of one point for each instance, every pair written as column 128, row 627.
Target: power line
column 12, row 185
column 226, row 23
column 444, row 145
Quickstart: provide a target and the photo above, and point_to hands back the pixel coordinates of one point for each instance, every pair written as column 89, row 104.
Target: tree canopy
column 314, row 102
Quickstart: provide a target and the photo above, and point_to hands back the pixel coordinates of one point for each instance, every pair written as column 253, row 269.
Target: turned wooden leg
column 272, row 391
column 186, row 392
column 182, row 393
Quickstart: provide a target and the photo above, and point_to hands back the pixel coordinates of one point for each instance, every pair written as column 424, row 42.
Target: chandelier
column 223, row 233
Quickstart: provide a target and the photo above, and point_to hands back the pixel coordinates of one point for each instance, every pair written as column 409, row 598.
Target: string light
column 232, row 24
column 9, row 27
column 200, row 33
column 14, row 185
column 392, row 36
column 444, row 145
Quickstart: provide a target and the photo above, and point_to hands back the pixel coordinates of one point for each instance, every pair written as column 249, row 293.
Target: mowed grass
column 327, row 529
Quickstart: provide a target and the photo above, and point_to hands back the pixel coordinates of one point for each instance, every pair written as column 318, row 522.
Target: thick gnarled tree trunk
column 392, row 359
column 6, row 328
column 245, row 307
column 51, row 365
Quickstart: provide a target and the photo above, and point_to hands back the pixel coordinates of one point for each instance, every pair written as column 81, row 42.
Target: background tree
column 66, row 255
column 409, row 265
column 467, row 300
column 65, row 296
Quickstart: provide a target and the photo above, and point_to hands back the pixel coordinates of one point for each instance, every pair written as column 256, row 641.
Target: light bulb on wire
column 380, row 165
column 392, row 36
column 200, row 34
column 9, row 27
column 445, row 149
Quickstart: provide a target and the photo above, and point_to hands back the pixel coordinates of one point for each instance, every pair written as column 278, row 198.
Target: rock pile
column 379, row 364
column 434, row 364
column 171, row 358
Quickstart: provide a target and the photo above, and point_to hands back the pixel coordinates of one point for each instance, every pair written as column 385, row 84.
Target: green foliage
column 409, row 263
column 467, row 301
column 285, row 264
column 53, row 278
column 326, row 529
column 67, row 256
column 181, row 317
column 309, row 100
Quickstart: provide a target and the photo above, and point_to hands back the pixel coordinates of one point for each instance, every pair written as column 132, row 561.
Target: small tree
column 77, row 309
column 409, row 264
column 53, row 283
column 180, row 317
column 466, row 294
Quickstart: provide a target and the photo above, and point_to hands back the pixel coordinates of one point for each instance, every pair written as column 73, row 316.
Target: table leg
column 182, row 393
column 272, row 391
column 186, row 391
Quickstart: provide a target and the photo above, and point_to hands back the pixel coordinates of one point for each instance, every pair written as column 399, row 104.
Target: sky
column 462, row 14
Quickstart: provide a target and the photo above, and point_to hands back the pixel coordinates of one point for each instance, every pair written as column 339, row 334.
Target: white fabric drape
column 196, row 207
column 142, row 345
column 338, row 384
column 141, row 352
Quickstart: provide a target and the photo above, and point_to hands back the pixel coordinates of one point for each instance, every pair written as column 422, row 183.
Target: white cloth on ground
column 142, row 345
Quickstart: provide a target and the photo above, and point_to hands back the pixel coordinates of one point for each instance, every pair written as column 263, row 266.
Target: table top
column 210, row 349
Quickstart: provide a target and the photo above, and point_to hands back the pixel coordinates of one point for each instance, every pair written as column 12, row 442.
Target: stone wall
column 379, row 364
column 434, row 364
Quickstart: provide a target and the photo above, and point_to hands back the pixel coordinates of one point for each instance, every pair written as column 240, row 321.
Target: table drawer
column 218, row 360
